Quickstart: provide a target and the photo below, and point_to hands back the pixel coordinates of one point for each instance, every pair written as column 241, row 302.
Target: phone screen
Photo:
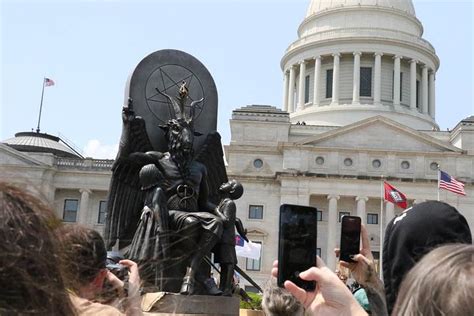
column 297, row 244
column 350, row 237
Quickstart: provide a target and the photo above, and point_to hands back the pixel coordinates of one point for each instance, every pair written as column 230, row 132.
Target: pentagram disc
column 164, row 71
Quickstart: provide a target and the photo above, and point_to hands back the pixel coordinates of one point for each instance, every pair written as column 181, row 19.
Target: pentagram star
column 175, row 83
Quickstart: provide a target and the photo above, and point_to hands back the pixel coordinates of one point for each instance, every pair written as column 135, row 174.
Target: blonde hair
column 277, row 301
column 440, row 284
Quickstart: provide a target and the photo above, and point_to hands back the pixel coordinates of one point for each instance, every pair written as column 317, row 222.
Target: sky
column 89, row 47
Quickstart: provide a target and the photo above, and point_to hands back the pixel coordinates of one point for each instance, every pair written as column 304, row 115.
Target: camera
column 112, row 264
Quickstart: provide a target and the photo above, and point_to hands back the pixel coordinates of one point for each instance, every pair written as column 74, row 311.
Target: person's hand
column 363, row 269
column 115, row 282
column 331, row 296
column 134, row 281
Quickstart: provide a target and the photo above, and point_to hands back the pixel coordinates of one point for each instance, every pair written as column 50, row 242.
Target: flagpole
column 381, row 227
column 41, row 107
column 439, row 176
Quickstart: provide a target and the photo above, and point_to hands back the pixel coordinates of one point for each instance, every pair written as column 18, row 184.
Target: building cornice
column 294, row 49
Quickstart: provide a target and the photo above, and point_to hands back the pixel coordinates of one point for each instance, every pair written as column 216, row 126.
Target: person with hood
column 414, row 233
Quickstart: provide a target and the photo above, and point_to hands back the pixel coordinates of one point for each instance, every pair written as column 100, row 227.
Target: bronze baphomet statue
column 168, row 211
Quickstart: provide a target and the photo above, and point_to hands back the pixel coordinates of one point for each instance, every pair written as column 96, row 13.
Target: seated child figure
column 224, row 252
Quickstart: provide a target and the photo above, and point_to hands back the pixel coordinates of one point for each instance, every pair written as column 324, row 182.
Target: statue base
column 163, row 303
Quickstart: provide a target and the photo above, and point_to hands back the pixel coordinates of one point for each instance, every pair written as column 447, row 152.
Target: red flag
column 48, row 82
column 395, row 196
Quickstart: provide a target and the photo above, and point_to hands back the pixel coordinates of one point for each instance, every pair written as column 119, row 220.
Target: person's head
column 83, row 259
column 440, row 284
column 277, row 301
column 233, row 188
column 414, row 233
column 30, row 279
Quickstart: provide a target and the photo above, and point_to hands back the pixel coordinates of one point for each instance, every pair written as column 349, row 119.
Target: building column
column 335, row 80
column 332, row 222
column 285, row 92
column 389, row 213
column 84, row 206
column 356, row 79
column 424, row 89
column 413, row 84
column 302, row 87
column 291, row 90
column 432, row 101
column 361, row 209
column 396, row 80
column 317, row 80
column 378, row 78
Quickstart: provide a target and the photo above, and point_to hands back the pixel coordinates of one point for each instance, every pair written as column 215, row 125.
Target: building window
column 329, row 83
column 405, row 165
column 253, row 264
column 306, row 89
column 102, row 212
column 348, row 162
column 251, row 289
column 70, row 210
column 319, row 216
column 256, row 212
column 341, row 214
column 401, row 85
column 320, row 160
column 376, row 163
column 258, row 163
column 365, row 82
column 434, row 166
column 372, row 218
column 418, row 94
column 318, row 252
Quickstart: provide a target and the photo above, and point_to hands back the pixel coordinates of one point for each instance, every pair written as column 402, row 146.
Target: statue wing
column 125, row 199
column 212, row 156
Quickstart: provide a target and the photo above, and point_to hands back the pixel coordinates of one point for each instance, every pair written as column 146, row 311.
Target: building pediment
column 379, row 133
column 10, row 156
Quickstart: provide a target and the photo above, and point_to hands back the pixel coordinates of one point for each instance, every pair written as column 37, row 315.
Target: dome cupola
column 354, row 59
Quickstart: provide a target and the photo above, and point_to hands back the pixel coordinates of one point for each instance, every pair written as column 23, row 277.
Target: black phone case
column 283, row 265
column 350, row 238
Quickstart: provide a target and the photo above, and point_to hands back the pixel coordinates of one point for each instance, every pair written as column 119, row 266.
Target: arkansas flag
column 395, row 196
column 247, row 249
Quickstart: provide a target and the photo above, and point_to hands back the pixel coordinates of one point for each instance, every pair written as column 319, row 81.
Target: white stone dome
column 317, row 6
column 354, row 59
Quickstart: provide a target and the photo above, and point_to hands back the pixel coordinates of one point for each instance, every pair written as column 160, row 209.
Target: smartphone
column 350, row 237
column 296, row 244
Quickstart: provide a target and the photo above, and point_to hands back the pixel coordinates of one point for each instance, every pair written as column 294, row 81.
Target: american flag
column 48, row 82
column 449, row 183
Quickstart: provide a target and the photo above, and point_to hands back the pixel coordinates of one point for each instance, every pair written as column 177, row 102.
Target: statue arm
column 240, row 229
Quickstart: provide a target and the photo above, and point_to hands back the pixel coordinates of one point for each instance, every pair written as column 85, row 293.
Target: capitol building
column 358, row 107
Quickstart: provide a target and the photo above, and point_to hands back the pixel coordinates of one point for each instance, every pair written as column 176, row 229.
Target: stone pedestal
column 162, row 303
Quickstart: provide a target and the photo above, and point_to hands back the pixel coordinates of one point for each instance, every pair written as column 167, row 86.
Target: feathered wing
column 212, row 156
column 125, row 199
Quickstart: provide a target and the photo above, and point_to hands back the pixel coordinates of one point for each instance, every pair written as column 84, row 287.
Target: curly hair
column 30, row 279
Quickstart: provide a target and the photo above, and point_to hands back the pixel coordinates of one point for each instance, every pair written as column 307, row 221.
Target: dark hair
column 30, row 279
column 83, row 255
column 440, row 284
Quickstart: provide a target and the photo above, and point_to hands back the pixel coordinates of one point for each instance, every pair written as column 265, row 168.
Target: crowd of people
column 428, row 269
column 48, row 268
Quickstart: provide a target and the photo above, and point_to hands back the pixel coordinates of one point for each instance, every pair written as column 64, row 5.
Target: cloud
column 97, row 150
